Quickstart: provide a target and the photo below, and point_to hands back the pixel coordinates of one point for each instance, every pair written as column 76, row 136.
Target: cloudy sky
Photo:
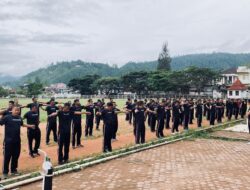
column 34, row 33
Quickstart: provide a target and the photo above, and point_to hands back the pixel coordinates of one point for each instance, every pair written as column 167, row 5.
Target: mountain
column 6, row 78
column 65, row 71
column 218, row 61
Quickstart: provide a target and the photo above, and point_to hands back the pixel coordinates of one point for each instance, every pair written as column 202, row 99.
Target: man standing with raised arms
column 12, row 140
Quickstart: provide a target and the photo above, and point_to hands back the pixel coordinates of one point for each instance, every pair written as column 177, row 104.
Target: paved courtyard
column 192, row 164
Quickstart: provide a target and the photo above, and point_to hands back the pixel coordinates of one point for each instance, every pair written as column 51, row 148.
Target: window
column 237, row 93
column 230, row 93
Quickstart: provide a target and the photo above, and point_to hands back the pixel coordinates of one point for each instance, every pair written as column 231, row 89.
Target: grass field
column 4, row 104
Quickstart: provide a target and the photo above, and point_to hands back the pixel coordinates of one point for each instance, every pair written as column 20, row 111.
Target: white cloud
column 34, row 33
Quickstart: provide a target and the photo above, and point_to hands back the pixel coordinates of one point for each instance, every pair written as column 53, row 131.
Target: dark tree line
column 147, row 82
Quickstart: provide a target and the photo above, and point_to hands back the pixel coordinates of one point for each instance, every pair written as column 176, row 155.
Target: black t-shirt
column 90, row 108
column 186, row 109
column 108, row 117
column 160, row 112
column 77, row 119
column 129, row 105
column 38, row 105
column 168, row 109
column 199, row 109
column 65, row 120
column 213, row 107
column 7, row 112
column 176, row 111
column 98, row 107
column 140, row 116
column 50, row 110
column 115, row 115
column 32, row 119
column 12, row 128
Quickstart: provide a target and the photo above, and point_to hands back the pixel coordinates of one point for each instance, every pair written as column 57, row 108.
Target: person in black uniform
column 7, row 111
column 208, row 107
column 140, row 115
column 205, row 108
column 176, row 117
column 128, row 107
column 223, row 108
column 90, row 118
column 199, row 112
column 116, row 124
column 98, row 107
column 54, row 100
column 108, row 115
column 160, row 111
column 236, row 105
column 33, row 134
column 152, row 115
column 149, row 114
column 51, row 121
column 168, row 113
column 181, row 112
column 187, row 109
column 37, row 104
column 65, row 116
column 191, row 112
column 212, row 112
column 219, row 107
column 229, row 111
column 243, row 108
column 134, row 119
column 12, row 140
column 76, row 124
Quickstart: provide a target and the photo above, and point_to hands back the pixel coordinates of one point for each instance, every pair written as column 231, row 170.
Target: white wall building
column 243, row 73
column 229, row 76
column 238, row 90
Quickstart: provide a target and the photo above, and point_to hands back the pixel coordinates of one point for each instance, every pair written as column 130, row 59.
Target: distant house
column 60, row 90
column 238, row 90
column 229, row 76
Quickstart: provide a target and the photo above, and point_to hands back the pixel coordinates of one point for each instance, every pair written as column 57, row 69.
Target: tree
column 159, row 81
column 34, row 89
column 3, row 92
column 136, row 82
column 178, row 82
column 164, row 59
column 84, row 85
column 200, row 77
column 108, row 85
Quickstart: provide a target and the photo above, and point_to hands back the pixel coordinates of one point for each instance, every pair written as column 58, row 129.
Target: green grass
column 4, row 104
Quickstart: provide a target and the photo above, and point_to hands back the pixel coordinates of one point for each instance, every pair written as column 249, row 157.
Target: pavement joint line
column 116, row 154
column 227, row 138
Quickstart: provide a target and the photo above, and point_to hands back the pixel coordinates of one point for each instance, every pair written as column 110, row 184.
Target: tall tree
column 84, row 85
column 34, row 88
column 136, row 82
column 164, row 59
column 159, row 81
column 108, row 85
column 200, row 77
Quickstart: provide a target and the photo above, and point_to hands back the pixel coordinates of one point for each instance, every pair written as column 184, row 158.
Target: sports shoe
column 4, row 176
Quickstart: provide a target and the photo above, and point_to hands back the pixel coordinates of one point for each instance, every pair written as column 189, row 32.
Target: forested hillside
column 65, row 71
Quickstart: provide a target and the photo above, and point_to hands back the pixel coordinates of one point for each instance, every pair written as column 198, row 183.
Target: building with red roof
column 237, row 90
